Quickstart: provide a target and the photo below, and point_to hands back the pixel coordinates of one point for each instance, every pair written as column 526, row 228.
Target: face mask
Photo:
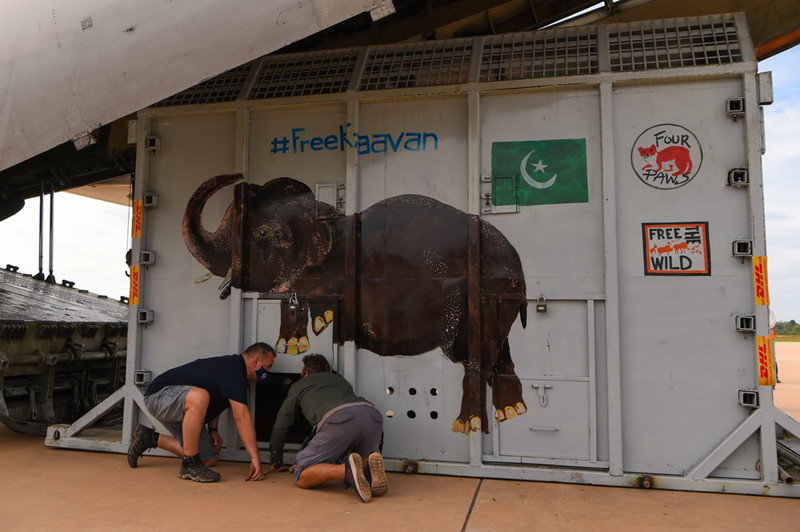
column 262, row 375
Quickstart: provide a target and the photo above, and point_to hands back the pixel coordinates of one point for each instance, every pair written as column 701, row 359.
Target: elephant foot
column 296, row 346
column 302, row 344
column 507, row 412
column 475, row 423
column 291, row 346
column 321, row 322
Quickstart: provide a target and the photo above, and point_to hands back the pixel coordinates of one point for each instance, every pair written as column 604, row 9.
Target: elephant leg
column 473, row 413
column 321, row 315
column 507, row 393
column 293, row 336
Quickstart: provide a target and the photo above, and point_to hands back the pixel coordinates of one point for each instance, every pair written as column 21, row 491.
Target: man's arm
column 216, row 438
column 280, row 430
column 247, row 431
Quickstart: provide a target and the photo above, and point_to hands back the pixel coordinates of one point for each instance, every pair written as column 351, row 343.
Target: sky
column 781, row 168
column 92, row 236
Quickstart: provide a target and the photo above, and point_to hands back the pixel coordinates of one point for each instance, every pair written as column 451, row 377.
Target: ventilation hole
column 412, row 414
column 390, row 413
column 434, row 391
column 412, row 391
column 389, row 390
column 434, row 415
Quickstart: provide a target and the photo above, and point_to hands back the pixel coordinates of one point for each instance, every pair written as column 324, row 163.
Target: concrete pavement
column 44, row 488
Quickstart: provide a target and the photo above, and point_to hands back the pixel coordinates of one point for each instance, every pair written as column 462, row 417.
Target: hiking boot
column 143, row 438
column 193, row 468
column 378, row 483
column 354, row 477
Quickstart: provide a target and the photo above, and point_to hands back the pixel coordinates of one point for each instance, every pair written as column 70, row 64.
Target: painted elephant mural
column 403, row 277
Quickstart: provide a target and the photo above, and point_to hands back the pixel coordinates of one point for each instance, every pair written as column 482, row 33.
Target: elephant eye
column 262, row 232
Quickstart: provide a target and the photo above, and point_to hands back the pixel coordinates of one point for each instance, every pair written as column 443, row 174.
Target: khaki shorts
column 168, row 406
column 355, row 428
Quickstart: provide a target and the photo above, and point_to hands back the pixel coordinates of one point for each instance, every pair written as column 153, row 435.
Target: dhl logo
column 766, row 361
column 136, row 226
column 133, row 298
column 760, row 280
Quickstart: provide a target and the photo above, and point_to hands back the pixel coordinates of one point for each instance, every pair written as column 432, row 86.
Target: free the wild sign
column 679, row 248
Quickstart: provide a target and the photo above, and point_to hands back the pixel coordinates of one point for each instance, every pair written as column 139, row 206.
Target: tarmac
column 43, row 488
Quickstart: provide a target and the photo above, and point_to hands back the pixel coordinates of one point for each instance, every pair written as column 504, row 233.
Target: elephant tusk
column 204, row 278
column 226, row 282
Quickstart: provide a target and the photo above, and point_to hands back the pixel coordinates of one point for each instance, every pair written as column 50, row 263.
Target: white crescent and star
column 539, row 168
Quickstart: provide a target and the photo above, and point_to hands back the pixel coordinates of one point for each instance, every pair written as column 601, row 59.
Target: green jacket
column 313, row 396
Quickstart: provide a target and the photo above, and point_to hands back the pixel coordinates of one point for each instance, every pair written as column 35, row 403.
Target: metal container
column 618, row 164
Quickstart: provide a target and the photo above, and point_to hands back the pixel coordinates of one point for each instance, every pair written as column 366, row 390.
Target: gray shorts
column 168, row 406
column 357, row 428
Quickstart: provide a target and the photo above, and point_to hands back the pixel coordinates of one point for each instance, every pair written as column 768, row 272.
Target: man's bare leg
column 319, row 474
column 195, row 408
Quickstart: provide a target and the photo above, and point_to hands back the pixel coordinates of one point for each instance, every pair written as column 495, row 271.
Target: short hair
column 316, row 363
column 260, row 348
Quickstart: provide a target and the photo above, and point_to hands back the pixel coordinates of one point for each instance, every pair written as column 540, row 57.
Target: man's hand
column 255, row 471
column 216, row 440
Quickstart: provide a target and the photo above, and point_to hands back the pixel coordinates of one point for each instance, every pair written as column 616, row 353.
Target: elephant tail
column 523, row 312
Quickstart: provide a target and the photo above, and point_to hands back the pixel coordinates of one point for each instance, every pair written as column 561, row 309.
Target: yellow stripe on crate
column 766, row 361
column 760, row 280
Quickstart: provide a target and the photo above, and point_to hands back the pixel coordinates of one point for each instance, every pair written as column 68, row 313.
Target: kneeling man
column 342, row 422
column 189, row 399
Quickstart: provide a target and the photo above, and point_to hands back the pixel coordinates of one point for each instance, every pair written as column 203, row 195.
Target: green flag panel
column 545, row 172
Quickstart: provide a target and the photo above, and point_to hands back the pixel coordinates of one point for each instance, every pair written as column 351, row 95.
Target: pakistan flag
column 539, row 172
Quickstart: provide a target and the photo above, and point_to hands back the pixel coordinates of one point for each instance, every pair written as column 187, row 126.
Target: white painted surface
column 68, row 67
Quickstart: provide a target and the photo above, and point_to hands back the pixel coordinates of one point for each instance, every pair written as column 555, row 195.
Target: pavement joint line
column 472, row 505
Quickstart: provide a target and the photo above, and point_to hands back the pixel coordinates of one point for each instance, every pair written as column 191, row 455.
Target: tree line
column 787, row 328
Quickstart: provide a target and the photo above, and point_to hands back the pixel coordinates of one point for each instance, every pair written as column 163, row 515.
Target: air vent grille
column 673, row 43
column 542, row 54
column 557, row 52
column 222, row 88
column 425, row 64
column 306, row 74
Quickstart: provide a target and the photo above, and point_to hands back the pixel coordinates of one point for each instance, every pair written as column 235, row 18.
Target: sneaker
column 143, row 438
column 192, row 468
column 354, row 477
column 378, row 483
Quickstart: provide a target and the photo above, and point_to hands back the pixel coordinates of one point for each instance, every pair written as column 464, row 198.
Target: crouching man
column 341, row 421
column 189, row 399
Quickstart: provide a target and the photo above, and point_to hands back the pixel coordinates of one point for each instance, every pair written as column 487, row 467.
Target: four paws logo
column 666, row 156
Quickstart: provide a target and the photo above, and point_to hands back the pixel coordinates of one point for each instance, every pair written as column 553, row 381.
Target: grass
column 793, row 338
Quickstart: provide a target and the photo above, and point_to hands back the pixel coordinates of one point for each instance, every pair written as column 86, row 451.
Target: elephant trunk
column 212, row 250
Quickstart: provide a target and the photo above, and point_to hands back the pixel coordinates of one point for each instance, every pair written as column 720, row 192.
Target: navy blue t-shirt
column 223, row 377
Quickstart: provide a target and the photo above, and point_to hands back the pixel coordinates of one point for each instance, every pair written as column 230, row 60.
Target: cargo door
column 306, row 145
column 262, row 319
column 415, row 147
column 541, row 187
column 181, row 312
column 683, row 277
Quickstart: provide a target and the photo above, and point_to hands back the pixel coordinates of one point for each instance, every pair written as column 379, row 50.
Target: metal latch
column 542, row 391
